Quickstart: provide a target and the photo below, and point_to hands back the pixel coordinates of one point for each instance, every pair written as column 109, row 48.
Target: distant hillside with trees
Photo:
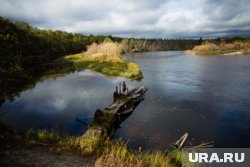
column 28, row 54
column 21, row 39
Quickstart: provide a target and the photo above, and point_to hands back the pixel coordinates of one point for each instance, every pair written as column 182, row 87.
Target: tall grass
column 113, row 66
column 105, row 58
column 108, row 49
column 206, row 48
column 109, row 153
column 118, row 155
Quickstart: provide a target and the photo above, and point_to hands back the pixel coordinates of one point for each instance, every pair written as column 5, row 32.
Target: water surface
column 208, row 97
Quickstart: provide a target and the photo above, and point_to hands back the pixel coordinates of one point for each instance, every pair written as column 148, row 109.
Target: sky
column 135, row 18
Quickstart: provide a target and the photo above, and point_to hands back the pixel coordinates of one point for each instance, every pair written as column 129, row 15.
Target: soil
column 41, row 157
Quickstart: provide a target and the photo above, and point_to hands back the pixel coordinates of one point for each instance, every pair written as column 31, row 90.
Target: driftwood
column 106, row 121
column 205, row 145
column 179, row 143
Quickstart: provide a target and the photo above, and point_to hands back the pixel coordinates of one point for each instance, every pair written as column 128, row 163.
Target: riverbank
column 107, row 66
column 45, row 147
column 105, row 58
column 234, row 48
column 217, row 52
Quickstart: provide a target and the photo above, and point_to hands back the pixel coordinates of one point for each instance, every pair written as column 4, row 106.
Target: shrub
column 206, row 47
column 108, row 49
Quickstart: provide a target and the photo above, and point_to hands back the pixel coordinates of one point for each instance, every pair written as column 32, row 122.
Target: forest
column 21, row 39
column 28, row 53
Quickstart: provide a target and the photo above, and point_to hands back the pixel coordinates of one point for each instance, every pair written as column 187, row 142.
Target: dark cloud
column 225, row 10
column 150, row 19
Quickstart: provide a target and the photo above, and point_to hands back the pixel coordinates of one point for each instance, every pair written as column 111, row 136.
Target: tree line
column 21, row 39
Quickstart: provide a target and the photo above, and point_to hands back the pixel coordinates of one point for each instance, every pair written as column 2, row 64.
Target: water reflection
column 56, row 103
column 208, row 97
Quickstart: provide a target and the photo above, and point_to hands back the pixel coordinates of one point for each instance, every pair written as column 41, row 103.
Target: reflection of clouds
column 114, row 80
column 186, row 94
column 58, row 94
column 57, row 103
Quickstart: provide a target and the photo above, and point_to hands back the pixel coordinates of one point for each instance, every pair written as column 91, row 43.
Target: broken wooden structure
column 106, row 121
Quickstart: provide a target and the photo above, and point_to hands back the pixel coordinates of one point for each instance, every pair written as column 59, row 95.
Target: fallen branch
column 205, row 145
column 179, row 143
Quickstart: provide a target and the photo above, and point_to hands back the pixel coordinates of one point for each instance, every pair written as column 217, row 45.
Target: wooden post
column 120, row 89
column 124, row 87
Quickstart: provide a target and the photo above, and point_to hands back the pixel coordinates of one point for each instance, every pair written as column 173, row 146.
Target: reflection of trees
column 21, row 39
column 19, row 74
column 26, row 53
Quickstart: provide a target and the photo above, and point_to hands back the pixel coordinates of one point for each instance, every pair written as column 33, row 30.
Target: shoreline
column 222, row 48
column 215, row 53
column 34, row 146
column 111, row 66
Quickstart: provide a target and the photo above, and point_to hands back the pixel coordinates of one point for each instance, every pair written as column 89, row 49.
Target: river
column 208, row 97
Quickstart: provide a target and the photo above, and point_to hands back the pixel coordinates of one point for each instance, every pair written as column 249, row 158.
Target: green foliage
column 105, row 58
column 107, row 40
column 42, row 135
column 117, row 154
column 108, row 152
column 204, row 42
column 176, row 157
column 108, row 66
column 18, row 73
column 20, row 39
column 105, row 122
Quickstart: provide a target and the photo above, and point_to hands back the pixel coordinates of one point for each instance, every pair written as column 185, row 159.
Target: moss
column 114, row 66
column 105, row 122
column 123, row 98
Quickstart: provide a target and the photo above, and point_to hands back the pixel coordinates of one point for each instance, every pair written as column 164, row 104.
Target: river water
column 208, row 97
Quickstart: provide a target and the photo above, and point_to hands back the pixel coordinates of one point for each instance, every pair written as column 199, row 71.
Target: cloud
column 150, row 19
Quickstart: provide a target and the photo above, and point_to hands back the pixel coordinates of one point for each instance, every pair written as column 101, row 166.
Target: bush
column 108, row 49
column 227, row 46
column 206, row 47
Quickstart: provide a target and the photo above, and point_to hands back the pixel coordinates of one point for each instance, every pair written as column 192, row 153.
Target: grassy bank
column 222, row 48
column 103, row 152
column 105, row 58
column 213, row 52
column 106, row 65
